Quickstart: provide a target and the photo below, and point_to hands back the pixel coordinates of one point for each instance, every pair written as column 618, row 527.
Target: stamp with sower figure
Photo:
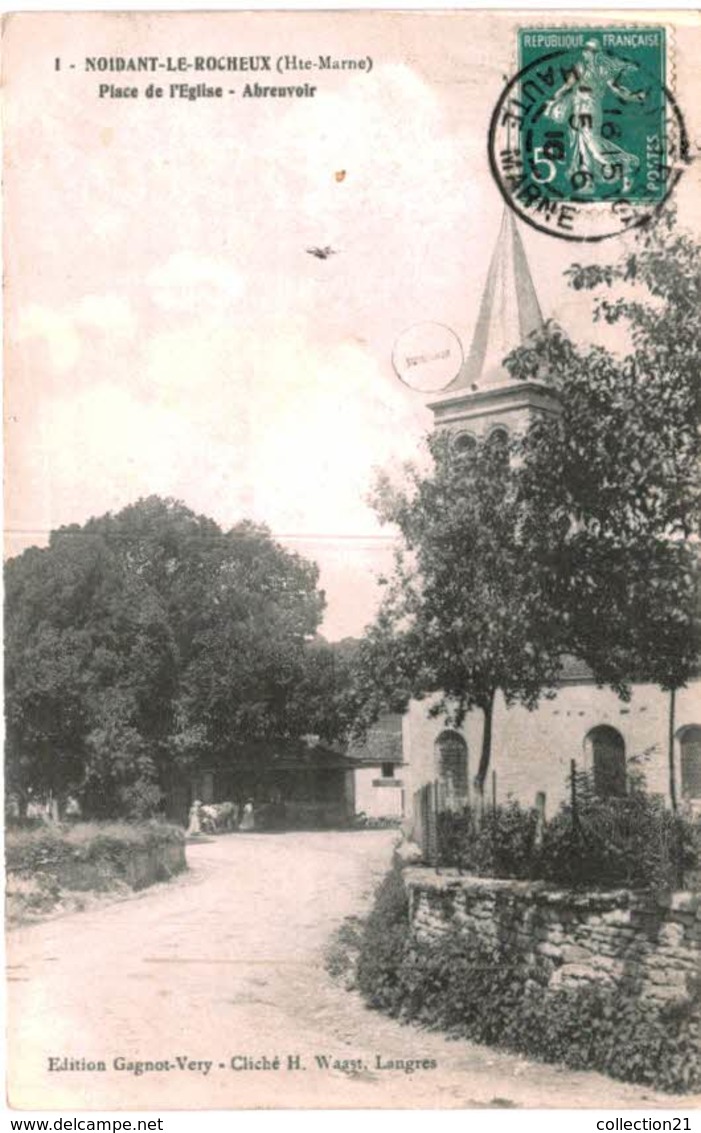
column 586, row 139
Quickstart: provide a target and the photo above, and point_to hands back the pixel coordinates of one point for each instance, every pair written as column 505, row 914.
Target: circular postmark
column 587, row 142
column 427, row 356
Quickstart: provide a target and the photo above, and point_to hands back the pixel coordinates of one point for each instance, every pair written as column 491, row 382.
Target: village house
column 297, row 784
column 380, row 771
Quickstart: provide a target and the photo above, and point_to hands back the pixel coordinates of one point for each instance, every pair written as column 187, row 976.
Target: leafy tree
column 45, row 716
column 247, row 653
column 321, row 703
column 144, row 641
column 85, row 642
column 465, row 615
column 618, row 469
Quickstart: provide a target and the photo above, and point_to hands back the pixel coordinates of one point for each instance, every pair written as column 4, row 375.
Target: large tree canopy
column 617, row 471
column 465, row 614
column 148, row 638
column 577, row 544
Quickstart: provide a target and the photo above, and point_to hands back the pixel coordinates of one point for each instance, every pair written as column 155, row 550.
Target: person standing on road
column 194, row 826
column 248, row 821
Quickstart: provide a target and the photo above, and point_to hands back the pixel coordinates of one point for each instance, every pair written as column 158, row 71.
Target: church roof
column 508, row 314
column 574, row 669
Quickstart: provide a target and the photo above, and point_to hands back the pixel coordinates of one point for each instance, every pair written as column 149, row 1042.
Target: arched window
column 452, row 766
column 690, row 746
column 498, row 441
column 465, row 443
column 499, row 436
column 608, row 761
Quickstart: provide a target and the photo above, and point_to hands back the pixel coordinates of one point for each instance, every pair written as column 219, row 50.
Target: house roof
column 573, row 670
column 317, row 758
column 291, row 755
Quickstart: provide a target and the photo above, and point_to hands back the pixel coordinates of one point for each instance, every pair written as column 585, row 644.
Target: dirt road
column 217, row 981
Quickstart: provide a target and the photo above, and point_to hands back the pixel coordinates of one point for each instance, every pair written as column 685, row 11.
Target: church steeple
column 483, row 394
column 508, row 313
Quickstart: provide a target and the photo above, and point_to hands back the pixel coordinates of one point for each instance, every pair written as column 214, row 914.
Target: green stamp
column 586, row 140
column 601, row 133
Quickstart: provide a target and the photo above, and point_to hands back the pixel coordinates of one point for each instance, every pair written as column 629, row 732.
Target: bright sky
column 167, row 331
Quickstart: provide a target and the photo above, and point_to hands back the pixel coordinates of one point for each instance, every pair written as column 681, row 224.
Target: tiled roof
column 573, row 669
column 383, row 743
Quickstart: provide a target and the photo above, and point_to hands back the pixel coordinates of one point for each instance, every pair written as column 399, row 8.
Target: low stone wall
column 136, row 866
column 650, row 944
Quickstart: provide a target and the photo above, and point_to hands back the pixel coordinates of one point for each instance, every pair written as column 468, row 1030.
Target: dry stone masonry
column 648, row 943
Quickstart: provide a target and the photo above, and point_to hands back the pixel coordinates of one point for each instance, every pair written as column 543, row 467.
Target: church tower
column 483, row 400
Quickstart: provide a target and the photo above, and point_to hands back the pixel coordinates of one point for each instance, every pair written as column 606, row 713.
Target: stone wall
column 648, row 944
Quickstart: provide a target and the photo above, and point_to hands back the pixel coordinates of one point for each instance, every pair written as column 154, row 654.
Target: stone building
column 297, row 784
column 531, row 751
column 380, row 769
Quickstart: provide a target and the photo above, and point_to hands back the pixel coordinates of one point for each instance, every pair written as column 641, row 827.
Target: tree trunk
column 486, row 754
column 670, row 752
column 22, row 804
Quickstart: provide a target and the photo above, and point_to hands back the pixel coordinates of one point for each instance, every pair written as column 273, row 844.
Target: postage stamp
column 587, row 139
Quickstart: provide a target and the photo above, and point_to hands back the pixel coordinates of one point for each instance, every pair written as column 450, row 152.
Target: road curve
column 226, row 964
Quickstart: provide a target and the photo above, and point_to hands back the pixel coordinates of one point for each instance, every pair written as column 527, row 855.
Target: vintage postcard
column 352, row 700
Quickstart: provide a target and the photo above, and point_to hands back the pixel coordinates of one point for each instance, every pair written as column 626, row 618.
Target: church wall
column 531, row 751
column 480, row 425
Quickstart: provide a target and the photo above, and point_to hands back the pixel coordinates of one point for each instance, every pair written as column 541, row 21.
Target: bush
column 47, row 847
column 632, row 842
column 383, row 942
column 38, row 893
column 485, row 994
column 500, row 843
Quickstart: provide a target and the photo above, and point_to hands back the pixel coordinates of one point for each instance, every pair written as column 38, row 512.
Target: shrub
column 485, row 994
column 632, row 842
column 47, row 847
column 38, row 893
column 384, row 940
